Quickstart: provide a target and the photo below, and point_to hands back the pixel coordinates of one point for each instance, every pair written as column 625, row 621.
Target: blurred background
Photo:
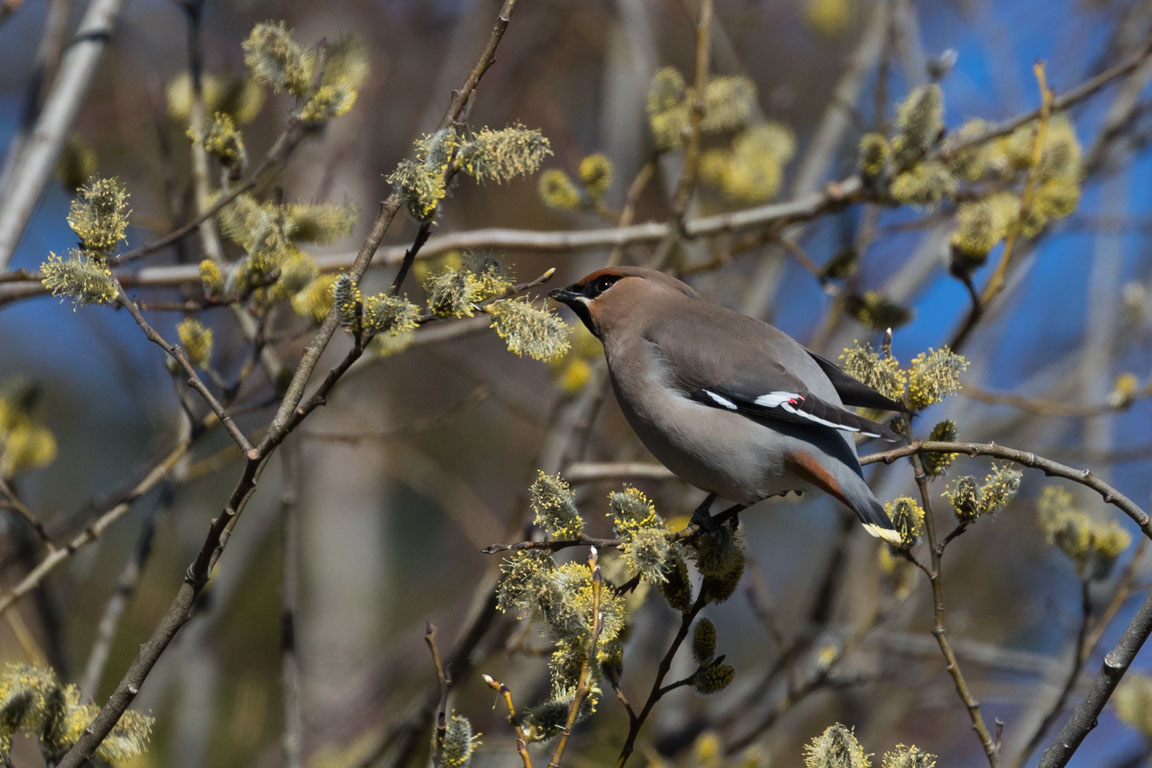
column 419, row 460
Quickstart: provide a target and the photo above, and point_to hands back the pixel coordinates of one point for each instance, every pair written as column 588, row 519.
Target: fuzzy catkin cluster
column 33, row 701
column 752, row 170
column 274, row 267
column 99, row 217
column 1092, row 545
column 838, row 747
column 907, row 516
column 1134, row 702
column 728, row 103
column 491, row 154
column 558, row 190
column 971, row 500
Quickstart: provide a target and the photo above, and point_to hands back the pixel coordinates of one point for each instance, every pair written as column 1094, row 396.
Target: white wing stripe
column 720, row 400
column 844, row 427
column 775, row 399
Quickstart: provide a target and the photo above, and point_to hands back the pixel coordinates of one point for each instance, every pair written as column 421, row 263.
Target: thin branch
column 1057, row 705
column 591, row 472
column 125, row 588
column 1028, row 459
column 635, row 723
column 1041, row 407
column 32, row 171
column 513, row 720
column 194, row 380
column 936, row 552
column 19, row 507
column 443, row 680
column 92, row 532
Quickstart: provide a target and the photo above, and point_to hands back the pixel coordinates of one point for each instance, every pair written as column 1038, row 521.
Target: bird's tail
column 870, row 511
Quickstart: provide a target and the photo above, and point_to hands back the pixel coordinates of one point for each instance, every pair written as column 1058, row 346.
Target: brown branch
column 513, row 720
column 936, row 552
column 442, row 679
column 19, row 507
column 1028, row 459
column 92, row 531
column 194, row 380
column 635, row 723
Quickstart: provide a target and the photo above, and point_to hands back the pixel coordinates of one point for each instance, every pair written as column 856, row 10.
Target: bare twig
column 513, row 720
column 17, row 505
column 194, row 380
column 443, row 680
column 936, row 552
column 92, row 531
column 1028, row 459
column 636, row 722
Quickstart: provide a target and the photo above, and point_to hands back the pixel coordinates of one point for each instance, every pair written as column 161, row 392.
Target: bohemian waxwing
column 728, row 403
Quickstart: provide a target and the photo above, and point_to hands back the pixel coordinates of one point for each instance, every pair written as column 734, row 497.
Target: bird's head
column 607, row 297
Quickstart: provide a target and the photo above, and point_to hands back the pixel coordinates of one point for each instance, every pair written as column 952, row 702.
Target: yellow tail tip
column 889, row 535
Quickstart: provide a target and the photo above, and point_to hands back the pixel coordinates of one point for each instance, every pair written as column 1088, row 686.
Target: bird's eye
column 603, row 283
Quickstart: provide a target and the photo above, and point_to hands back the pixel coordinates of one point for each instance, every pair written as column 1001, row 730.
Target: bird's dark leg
column 703, row 518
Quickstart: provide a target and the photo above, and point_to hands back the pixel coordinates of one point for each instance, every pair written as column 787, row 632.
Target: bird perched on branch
column 730, row 404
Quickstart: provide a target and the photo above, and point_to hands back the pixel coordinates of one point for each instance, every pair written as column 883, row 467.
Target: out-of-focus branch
column 11, row 500
column 443, row 680
column 292, row 741
column 1061, row 699
column 34, row 169
column 1112, row 669
column 125, row 588
column 1042, row 407
column 92, row 532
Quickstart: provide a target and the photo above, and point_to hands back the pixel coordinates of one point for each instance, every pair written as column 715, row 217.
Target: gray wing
column 727, row 360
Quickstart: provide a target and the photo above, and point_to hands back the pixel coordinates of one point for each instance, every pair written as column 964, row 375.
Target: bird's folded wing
column 745, row 374
column 796, row 407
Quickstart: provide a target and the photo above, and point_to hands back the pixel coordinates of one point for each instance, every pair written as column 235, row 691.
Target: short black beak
column 564, row 296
